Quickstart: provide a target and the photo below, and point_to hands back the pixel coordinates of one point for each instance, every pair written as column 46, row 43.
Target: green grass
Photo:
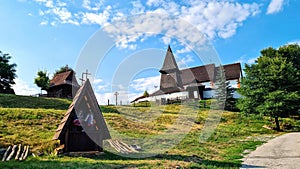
column 224, row 148
column 14, row 101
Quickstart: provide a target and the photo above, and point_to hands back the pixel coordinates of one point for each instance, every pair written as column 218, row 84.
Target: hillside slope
column 15, row 101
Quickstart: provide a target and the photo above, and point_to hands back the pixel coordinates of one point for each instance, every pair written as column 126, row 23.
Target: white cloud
column 96, row 18
column 138, row 7
column 142, row 84
column 218, row 18
column 244, row 60
column 184, row 50
column 87, row 4
column 183, row 62
column 44, row 23
column 275, row 6
column 97, row 81
column 63, row 14
column 294, row 42
column 215, row 19
column 23, row 88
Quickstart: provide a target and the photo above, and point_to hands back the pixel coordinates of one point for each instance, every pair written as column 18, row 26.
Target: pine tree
column 220, row 88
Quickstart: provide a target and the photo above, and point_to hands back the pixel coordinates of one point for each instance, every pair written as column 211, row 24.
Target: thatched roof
column 85, row 98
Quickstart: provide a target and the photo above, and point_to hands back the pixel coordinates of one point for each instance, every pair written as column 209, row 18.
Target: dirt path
column 281, row 152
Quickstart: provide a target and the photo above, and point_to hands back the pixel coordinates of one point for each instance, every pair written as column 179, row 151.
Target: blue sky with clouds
column 48, row 34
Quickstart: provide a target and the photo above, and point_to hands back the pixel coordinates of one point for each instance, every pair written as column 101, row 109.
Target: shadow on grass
column 196, row 162
column 110, row 160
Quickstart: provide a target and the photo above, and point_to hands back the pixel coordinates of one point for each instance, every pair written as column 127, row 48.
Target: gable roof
column 233, row 71
column 85, row 96
column 169, row 64
column 198, row 74
column 67, row 77
column 207, row 73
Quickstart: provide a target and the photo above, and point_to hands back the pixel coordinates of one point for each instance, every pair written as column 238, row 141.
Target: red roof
column 67, row 77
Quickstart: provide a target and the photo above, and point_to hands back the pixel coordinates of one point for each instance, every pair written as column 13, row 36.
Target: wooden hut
column 83, row 127
column 63, row 85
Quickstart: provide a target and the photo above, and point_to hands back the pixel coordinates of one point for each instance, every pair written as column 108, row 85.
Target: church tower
column 170, row 73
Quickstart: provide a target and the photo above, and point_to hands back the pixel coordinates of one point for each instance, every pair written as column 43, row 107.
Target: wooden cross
column 116, row 94
column 86, row 76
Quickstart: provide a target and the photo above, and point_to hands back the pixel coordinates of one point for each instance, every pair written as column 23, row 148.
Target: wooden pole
column 18, row 152
column 12, row 153
column 116, row 94
column 6, row 153
column 21, row 157
column 26, row 153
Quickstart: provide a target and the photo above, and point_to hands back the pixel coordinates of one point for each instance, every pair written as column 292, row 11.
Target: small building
column 83, row 127
column 194, row 83
column 63, row 85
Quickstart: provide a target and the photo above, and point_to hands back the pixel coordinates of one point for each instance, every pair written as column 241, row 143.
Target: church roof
column 67, row 77
column 85, row 97
column 233, row 71
column 198, row 74
column 169, row 64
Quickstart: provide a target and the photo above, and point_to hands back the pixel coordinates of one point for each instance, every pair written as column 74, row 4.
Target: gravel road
column 282, row 152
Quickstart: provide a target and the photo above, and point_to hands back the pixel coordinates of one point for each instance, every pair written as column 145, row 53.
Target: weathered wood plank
column 22, row 155
column 26, row 153
column 18, row 152
column 12, row 153
column 6, row 153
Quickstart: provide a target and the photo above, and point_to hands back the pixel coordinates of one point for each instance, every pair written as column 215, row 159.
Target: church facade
column 192, row 83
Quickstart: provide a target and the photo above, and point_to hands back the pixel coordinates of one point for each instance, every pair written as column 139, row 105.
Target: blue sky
column 48, row 34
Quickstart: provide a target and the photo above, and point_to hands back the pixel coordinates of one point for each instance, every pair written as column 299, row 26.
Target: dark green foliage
column 42, row 80
column 220, row 92
column 272, row 85
column 224, row 91
column 289, row 52
column 146, row 94
column 62, row 69
column 7, row 74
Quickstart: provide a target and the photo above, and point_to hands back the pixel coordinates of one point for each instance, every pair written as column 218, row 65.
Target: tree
column 270, row 87
column 230, row 103
column 220, row 88
column 42, row 80
column 290, row 52
column 146, row 94
column 224, row 91
column 7, row 74
column 62, row 69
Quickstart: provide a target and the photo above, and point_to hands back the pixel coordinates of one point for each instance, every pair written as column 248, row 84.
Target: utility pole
column 116, row 94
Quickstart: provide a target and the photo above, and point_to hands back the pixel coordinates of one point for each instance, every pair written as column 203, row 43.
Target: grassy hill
column 14, row 101
column 34, row 125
